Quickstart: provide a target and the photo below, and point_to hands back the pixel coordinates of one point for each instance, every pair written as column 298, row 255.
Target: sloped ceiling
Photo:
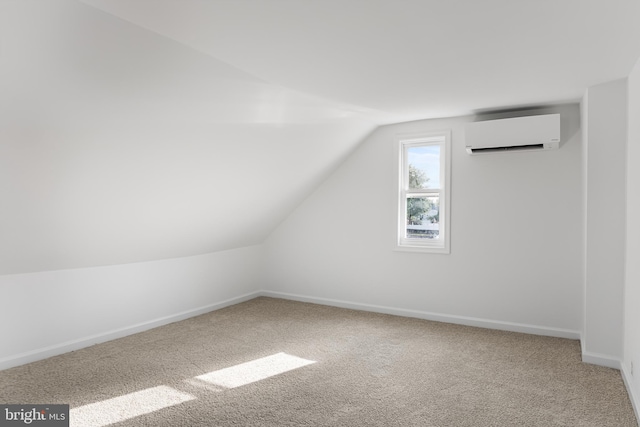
column 150, row 129
column 410, row 59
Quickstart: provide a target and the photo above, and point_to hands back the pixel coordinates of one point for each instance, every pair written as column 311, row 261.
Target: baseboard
column 460, row 320
column 601, row 359
column 45, row 352
column 54, row 350
column 635, row 399
column 598, row 358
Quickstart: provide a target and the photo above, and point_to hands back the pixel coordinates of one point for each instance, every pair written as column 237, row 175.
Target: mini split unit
column 516, row 134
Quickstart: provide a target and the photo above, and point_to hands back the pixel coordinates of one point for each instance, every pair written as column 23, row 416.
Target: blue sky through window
column 427, row 159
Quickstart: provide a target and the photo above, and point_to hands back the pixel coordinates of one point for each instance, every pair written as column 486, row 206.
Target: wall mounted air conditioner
column 515, row 134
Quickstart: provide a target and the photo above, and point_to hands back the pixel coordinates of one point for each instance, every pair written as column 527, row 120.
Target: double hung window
column 423, row 205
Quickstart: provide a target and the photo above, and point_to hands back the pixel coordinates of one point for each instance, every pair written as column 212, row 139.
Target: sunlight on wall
column 143, row 402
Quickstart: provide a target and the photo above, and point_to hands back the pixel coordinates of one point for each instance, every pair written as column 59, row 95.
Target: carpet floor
column 272, row 362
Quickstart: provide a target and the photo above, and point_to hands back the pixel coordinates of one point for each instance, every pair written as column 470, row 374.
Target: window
column 423, row 196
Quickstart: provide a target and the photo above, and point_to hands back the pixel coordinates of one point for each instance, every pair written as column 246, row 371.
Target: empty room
column 319, row 213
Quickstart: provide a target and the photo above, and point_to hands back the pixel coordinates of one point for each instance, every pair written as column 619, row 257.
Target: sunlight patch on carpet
column 125, row 407
column 256, row 370
column 118, row 409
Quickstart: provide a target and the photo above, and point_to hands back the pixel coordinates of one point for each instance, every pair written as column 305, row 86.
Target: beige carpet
column 369, row 370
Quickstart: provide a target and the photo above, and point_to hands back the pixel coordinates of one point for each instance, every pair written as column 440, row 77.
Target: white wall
column 632, row 270
column 516, row 257
column 49, row 313
column 606, row 110
column 119, row 145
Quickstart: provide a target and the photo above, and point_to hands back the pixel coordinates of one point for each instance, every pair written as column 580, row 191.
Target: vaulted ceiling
column 134, row 130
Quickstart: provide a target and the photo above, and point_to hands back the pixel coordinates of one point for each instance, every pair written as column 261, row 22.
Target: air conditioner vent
column 509, row 148
column 528, row 133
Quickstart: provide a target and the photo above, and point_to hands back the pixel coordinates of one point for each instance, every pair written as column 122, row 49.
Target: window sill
column 422, row 249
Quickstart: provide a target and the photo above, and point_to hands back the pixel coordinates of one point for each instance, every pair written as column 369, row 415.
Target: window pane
column 423, row 217
column 424, row 166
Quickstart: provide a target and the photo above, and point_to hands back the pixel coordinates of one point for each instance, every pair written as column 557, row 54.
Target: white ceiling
column 134, row 130
column 410, row 59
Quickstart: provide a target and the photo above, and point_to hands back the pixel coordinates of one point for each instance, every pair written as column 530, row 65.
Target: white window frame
column 443, row 243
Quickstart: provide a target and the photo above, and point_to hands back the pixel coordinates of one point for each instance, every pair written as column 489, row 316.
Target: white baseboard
column 460, row 320
column 634, row 397
column 54, row 350
column 601, row 359
column 65, row 347
column 598, row 358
